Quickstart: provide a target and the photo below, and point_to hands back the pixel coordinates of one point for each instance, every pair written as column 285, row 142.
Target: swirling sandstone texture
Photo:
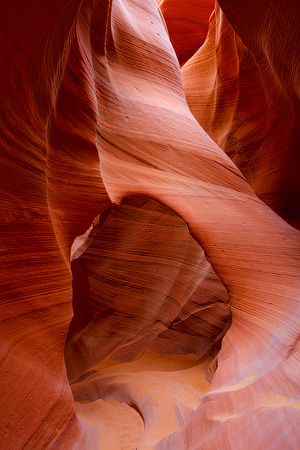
column 150, row 249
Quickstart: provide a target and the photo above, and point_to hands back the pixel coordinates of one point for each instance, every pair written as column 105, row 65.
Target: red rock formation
column 241, row 86
column 142, row 269
column 96, row 116
column 187, row 23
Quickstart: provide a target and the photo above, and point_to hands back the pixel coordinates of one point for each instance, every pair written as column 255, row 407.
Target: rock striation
column 150, row 247
column 239, row 86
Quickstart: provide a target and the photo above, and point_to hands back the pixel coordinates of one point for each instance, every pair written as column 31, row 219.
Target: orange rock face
column 240, row 86
column 187, row 23
column 150, row 252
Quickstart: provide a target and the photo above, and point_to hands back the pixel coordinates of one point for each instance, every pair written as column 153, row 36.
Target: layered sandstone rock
column 187, row 24
column 109, row 179
column 142, row 269
column 241, row 86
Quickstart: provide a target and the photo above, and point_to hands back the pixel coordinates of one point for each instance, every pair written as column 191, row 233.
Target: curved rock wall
column 240, row 86
column 97, row 119
column 143, row 270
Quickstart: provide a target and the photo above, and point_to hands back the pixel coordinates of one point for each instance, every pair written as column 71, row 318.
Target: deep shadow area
column 140, row 281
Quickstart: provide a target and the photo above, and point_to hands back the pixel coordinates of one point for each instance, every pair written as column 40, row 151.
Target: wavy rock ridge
column 174, row 324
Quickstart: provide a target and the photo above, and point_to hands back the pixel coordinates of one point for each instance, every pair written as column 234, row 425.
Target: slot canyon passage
column 150, row 251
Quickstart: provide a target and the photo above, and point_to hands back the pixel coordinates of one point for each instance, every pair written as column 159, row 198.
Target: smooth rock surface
column 150, row 277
